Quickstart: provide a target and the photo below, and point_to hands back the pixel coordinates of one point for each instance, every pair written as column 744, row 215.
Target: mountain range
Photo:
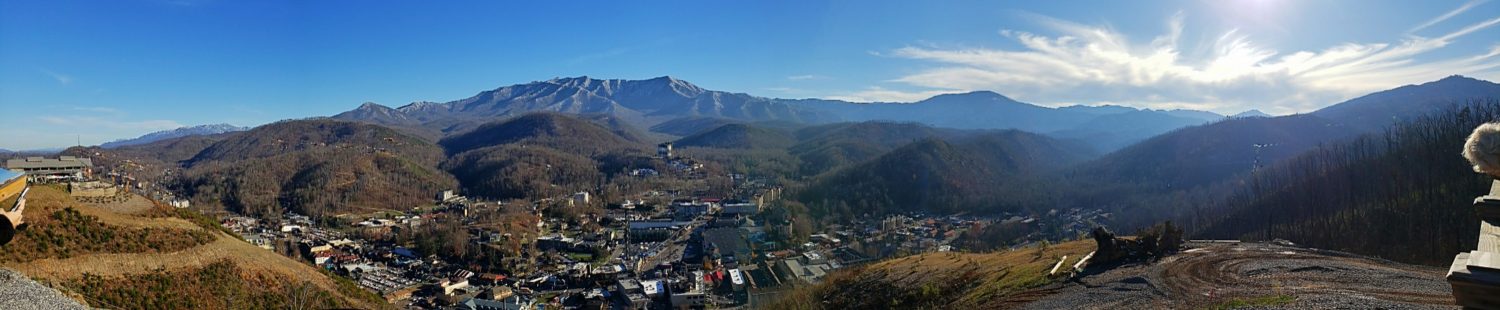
column 337, row 166
column 199, row 130
column 678, row 108
column 639, row 102
column 1250, row 113
column 1222, row 154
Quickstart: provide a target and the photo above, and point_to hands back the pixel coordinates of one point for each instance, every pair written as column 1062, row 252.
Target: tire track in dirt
column 1212, row 274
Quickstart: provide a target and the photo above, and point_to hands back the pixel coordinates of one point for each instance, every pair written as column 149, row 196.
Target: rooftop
column 6, row 175
column 64, row 162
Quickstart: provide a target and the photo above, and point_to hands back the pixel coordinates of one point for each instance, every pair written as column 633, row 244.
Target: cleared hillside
column 944, row 280
column 162, row 258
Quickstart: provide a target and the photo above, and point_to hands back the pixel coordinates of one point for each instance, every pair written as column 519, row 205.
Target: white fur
column 1483, row 149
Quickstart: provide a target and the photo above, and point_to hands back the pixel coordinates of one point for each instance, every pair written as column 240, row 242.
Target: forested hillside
column 315, row 167
column 828, row 147
column 738, row 136
column 551, row 130
column 687, row 126
column 1376, row 111
column 513, row 171
column 1404, row 194
column 539, row 155
column 987, row 172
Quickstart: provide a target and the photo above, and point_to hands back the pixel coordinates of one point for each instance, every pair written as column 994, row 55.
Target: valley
column 613, row 196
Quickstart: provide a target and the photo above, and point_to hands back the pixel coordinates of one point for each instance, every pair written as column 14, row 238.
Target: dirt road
column 1249, row 274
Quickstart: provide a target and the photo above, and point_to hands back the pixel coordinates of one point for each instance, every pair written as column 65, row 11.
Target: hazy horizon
column 113, row 70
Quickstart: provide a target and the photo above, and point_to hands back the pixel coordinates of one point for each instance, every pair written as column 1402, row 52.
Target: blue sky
column 96, row 71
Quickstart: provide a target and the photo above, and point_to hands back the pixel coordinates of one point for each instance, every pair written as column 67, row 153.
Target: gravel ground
column 1209, row 275
column 19, row 292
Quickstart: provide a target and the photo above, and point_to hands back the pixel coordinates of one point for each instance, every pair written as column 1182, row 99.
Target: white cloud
column 1090, row 64
column 61, row 78
column 1462, row 8
column 787, row 90
column 878, row 94
column 99, row 110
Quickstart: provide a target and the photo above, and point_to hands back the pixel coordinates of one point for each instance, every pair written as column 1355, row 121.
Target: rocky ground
column 1248, row 275
column 19, row 292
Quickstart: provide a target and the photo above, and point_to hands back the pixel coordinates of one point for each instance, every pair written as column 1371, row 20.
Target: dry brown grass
column 135, row 205
column 938, row 280
column 259, row 262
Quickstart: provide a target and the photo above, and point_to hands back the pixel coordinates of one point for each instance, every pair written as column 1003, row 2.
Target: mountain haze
column 982, row 173
column 199, row 130
column 640, row 101
column 1379, row 110
column 738, row 136
column 678, row 108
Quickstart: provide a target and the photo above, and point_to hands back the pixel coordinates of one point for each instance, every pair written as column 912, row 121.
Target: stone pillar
column 1475, row 275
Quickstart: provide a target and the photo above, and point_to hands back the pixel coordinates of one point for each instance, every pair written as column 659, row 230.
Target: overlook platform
column 1475, row 275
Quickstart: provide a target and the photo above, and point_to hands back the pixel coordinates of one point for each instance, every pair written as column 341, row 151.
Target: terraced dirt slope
column 92, row 274
column 1239, row 275
column 940, row 280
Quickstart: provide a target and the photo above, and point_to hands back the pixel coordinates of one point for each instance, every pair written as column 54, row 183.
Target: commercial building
column 654, row 230
column 580, row 199
column 738, row 207
column 44, row 169
column 664, row 150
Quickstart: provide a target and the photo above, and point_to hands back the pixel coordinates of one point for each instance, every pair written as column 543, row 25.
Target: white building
column 580, row 199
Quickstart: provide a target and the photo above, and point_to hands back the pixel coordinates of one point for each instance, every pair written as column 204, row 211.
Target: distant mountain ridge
column 985, row 172
column 641, row 102
column 1378, row 110
column 738, row 136
column 990, row 110
column 1250, row 113
column 1224, row 153
column 676, row 107
column 211, row 129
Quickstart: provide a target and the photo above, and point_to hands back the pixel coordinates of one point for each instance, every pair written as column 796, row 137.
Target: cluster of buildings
column 394, row 272
column 46, row 170
column 76, row 172
column 659, row 249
